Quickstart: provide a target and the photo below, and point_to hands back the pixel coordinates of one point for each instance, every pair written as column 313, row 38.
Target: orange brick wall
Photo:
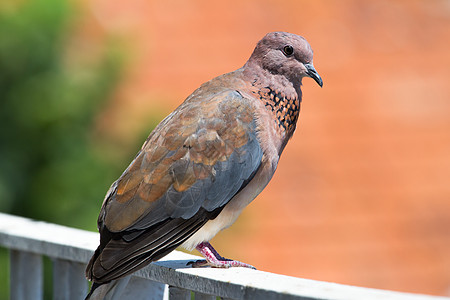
column 362, row 192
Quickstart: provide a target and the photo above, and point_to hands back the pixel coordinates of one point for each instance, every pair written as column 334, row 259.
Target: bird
column 204, row 163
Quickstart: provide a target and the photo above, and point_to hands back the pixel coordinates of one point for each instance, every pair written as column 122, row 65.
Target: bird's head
column 286, row 54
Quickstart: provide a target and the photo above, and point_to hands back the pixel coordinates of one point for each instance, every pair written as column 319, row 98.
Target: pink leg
column 213, row 259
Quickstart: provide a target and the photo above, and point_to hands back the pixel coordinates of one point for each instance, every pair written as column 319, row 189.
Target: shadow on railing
column 70, row 249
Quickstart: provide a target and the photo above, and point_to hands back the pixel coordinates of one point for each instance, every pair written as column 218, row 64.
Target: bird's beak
column 313, row 74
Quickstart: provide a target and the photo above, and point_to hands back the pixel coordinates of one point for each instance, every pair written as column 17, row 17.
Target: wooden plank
column 48, row 239
column 26, row 271
column 69, row 282
column 243, row 283
column 236, row 283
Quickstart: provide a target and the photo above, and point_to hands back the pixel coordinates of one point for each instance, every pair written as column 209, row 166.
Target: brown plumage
column 204, row 162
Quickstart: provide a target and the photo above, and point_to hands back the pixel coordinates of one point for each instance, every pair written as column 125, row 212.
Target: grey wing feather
column 176, row 215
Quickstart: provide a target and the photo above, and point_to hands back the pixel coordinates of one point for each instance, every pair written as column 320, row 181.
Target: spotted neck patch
column 284, row 109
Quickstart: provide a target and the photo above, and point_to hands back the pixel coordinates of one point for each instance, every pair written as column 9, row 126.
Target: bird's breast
column 272, row 138
column 234, row 207
column 283, row 109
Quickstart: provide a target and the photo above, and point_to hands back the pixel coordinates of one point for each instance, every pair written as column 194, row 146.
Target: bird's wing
column 190, row 167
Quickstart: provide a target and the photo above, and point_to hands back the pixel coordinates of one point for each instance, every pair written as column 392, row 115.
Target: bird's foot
column 213, row 259
column 225, row 263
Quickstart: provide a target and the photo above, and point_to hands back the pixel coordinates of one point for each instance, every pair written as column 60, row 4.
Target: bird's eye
column 288, row 50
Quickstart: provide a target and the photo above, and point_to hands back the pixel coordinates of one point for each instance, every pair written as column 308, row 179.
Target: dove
column 204, row 163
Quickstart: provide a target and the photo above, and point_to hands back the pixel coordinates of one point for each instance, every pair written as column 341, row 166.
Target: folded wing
column 189, row 168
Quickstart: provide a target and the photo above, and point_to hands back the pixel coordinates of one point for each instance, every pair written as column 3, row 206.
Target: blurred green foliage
column 53, row 166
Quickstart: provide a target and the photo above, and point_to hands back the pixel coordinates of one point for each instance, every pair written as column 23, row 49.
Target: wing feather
column 189, row 168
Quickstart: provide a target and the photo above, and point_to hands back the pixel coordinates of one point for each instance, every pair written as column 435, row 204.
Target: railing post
column 200, row 296
column 176, row 293
column 130, row 287
column 26, row 273
column 69, row 282
column 140, row 288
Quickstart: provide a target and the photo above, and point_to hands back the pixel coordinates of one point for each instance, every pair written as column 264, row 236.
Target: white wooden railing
column 70, row 249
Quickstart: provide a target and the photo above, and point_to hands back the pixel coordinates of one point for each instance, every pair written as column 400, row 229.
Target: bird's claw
column 214, row 260
column 224, row 264
column 198, row 263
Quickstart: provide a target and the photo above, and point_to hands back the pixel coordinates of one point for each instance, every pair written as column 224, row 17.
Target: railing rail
column 70, row 249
